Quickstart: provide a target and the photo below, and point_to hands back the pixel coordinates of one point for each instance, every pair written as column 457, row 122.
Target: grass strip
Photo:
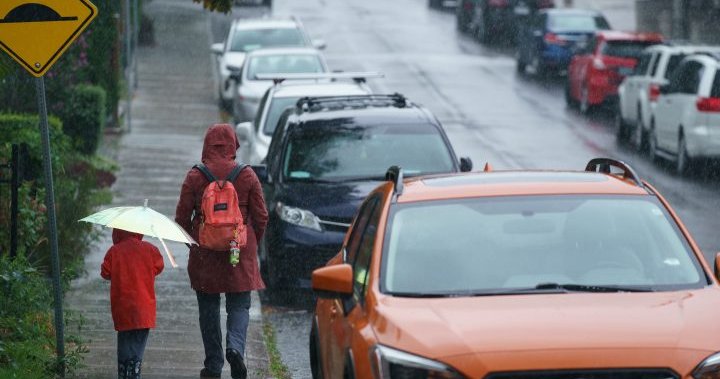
column 277, row 368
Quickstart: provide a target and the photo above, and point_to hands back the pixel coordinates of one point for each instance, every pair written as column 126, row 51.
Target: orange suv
column 514, row 275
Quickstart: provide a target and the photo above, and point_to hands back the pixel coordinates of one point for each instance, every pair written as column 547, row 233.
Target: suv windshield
column 625, row 49
column 278, row 105
column 577, row 23
column 491, row 245
column 285, row 63
column 348, row 152
column 248, row 40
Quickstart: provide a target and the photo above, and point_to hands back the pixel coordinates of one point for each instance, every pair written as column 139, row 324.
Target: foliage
column 27, row 335
column 224, row 6
column 277, row 368
column 80, row 185
column 84, row 117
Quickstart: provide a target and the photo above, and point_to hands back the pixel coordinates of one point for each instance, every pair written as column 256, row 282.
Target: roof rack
column 309, row 104
column 395, row 175
column 603, row 165
column 357, row 77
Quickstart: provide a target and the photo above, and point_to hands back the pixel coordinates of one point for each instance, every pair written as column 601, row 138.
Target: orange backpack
column 222, row 221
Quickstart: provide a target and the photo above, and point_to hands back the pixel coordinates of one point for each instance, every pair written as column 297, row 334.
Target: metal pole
column 136, row 36
column 128, row 64
column 14, row 185
column 52, row 224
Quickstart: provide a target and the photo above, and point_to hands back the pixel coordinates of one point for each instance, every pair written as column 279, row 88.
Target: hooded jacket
column 210, row 271
column 131, row 266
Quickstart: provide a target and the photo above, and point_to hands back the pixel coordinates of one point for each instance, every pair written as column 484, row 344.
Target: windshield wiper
column 590, row 288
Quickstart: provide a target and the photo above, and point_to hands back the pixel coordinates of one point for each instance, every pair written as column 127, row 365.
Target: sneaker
column 237, row 364
column 207, row 374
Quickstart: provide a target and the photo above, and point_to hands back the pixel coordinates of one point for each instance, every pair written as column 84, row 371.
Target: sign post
column 36, row 34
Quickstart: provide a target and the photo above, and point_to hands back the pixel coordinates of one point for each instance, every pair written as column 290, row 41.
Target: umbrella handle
column 167, row 251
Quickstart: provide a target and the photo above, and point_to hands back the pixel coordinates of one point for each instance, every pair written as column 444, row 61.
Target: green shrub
column 84, row 117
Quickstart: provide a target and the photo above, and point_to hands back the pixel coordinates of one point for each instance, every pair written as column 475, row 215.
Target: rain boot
column 237, row 364
column 122, row 371
column 134, row 368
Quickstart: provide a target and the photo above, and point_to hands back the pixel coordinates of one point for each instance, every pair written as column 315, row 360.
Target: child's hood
column 119, row 235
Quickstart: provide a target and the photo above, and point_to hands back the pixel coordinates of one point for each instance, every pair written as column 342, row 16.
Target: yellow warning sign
column 37, row 33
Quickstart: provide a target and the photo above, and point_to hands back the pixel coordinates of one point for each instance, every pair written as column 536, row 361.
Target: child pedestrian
column 131, row 266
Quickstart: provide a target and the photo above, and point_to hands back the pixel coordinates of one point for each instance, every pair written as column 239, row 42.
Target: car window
column 361, row 220
column 361, row 264
column 673, row 63
column 248, row 40
column 688, row 79
column 277, row 107
column 284, row 63
column 276, row 144
column 345, row 149
column 715, row 90
column 643, row 63
column 656, row 64
column 680, row 77
column 576, row 23
column 625, row 49
column 488, row 244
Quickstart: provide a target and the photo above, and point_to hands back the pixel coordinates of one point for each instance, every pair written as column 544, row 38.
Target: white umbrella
column 145, row 221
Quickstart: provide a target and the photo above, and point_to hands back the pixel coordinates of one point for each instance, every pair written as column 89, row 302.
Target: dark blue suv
column 551, row 38
column 326, row 155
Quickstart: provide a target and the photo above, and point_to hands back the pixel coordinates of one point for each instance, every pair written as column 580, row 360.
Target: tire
column 569, row 101
column 315, row 353
column 640, row 139
column 683, row 163
column 481, row 31
column 461, row 19
column 652, row 143
column 585, row 107
column 541, row 70
column 521, row 65
column 623, row 130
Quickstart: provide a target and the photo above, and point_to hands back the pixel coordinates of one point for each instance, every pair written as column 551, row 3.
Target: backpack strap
column 206, row 172
column 236, row 172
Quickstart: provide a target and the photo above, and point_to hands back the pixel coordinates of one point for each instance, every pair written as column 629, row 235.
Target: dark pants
column 237, row 306
column 131, row 345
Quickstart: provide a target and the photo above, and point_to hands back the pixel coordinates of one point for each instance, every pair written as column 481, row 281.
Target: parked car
column 685, row 123
column 488, row 19
column 595, row 73
column 554, row 36
column 247, row 35
column 250, row 85
column 517, row 275
column 326, row 155
column 256, row 135
column 639, row 92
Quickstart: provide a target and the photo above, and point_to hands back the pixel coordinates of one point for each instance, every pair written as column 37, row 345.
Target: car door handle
column 333, row 312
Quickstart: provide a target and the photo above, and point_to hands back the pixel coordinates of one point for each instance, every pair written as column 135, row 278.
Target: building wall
column 696, row 21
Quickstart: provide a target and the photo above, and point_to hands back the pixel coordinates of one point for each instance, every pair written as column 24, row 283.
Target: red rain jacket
column 210, row 271
column 131, row 266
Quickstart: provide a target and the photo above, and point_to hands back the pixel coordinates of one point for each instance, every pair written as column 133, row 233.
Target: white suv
column 255, row 136
column 640, row 91
column 248, row 35
column 685, row 123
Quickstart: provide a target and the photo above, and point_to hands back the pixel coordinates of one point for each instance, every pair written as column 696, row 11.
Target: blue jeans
column 131, row 345
column 237, row 306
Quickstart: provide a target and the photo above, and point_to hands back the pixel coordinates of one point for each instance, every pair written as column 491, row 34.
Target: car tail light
column 554, row 39
column 598, row 64
column 654, row 92
column 499, row 3
column 708, row 104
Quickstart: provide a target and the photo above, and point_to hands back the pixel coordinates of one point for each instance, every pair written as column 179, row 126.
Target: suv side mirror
column 319, row 44
column 244, row 131
column 665, row 89
column 235, row 73
column 717, row 266
column 217, row 48
column 466, row 164
column 333, row 282
column 261, row 173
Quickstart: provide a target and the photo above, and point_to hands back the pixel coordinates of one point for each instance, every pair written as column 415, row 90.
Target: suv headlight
column 709, row 368
column 299, row 217
column 393, row 364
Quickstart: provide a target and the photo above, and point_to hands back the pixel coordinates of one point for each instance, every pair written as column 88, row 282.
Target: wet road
column 491, row 113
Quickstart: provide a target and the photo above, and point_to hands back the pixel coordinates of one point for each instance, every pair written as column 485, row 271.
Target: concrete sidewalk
column 173, row 106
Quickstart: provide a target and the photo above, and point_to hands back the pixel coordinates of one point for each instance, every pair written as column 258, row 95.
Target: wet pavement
column 174, row 104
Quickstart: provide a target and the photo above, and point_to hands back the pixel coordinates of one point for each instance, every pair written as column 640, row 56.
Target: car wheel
column 481, row 31
column 571, row 103
column 540, row 69
column 623, row 134
column 652, row 143
column 640, row 136
column 521, row 64
column 585, row 106
column 461, row 19
column 683, row 162
column 315, row 353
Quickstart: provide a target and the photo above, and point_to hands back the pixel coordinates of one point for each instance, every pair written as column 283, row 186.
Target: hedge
column 84, row 117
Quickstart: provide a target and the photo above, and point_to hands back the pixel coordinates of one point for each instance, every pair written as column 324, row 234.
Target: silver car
column 248, row 35
column 255, row 136
column 250, row 88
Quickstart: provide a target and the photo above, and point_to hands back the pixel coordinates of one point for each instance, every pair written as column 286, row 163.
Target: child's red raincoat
column 131, row 266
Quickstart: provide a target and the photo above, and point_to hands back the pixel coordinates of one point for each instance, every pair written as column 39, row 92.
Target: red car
column 597, row 70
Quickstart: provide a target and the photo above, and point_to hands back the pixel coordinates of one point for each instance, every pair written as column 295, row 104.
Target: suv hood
column 527, row 326
column 336, row 202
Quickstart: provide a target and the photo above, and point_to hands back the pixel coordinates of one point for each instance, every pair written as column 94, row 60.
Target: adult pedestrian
column 211, row 272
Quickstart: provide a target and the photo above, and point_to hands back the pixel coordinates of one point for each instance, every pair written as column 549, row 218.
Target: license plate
column 522, row 9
